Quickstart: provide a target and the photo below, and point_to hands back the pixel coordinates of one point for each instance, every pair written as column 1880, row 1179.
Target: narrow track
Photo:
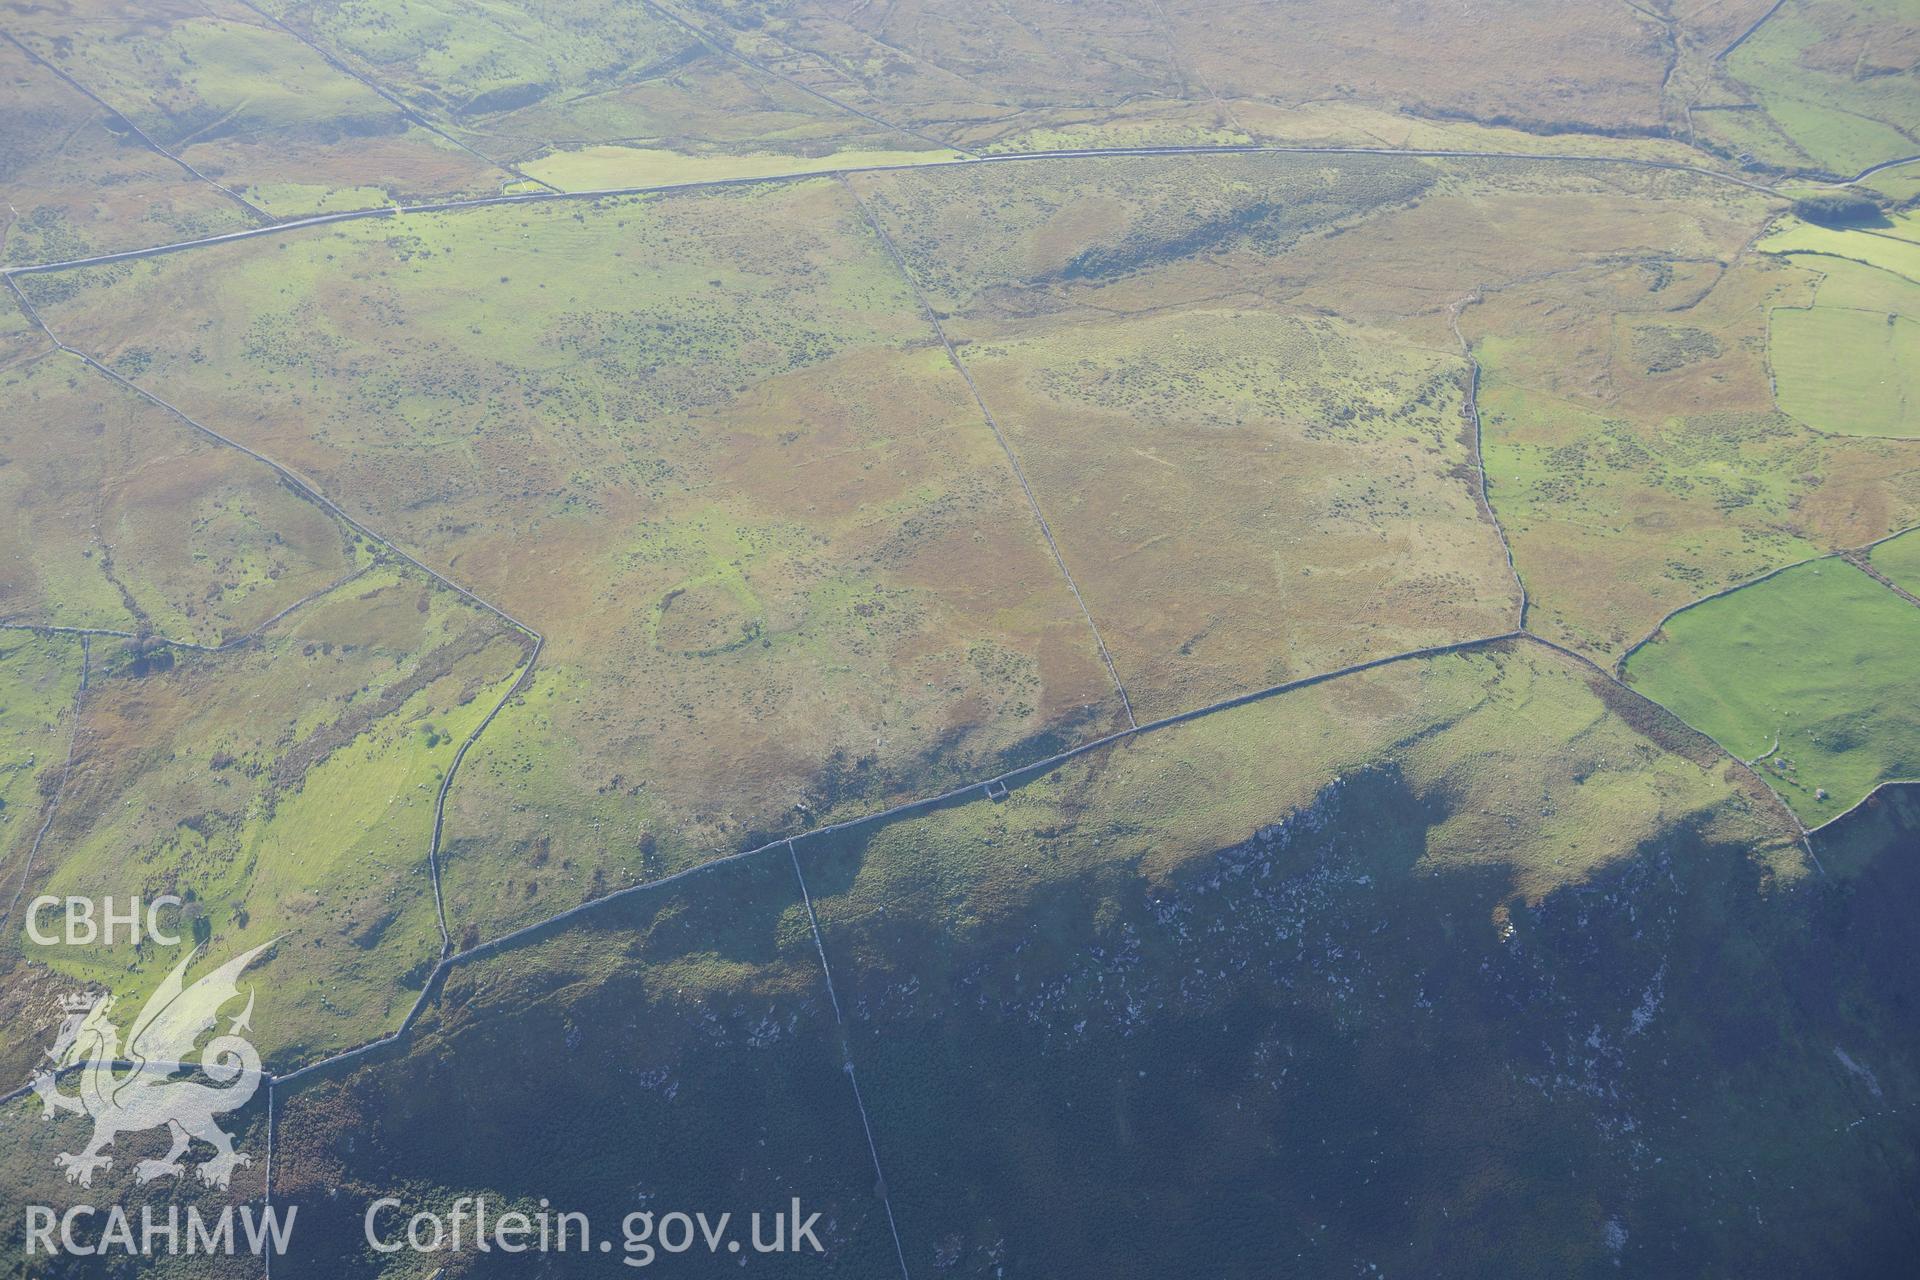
column 300, row 485
column 255, row 210
column 192, row 646
column 1013, row 459
column 1013, row 157
column 394, row 100
column 1479, row 452
column 846, row 1051
column 726, row 50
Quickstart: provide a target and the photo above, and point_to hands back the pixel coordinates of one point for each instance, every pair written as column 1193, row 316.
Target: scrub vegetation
column 1318, row 600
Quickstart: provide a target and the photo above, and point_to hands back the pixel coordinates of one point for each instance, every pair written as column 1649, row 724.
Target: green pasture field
column 1858, row 286
column 1863, row 245
column 1900, row 184
column 1634, row 449
column 1827, row 74
column 1899, row 559
column 1613, row 522
column 1746, row 128
column 1816, row 669
column 286, row 790
column 1849, row 372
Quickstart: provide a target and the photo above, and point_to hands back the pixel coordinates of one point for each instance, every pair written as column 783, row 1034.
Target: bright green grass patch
column 1900, row 560
column 1903, row 226
column 285, row 790
column 1863, row 288
column 1837, row 117
column 1748, row 131
column 603, row 167
column 521, row 798
column 1898, row 185
column 1821, row 659
column 1856, row 373
column 1888, row 252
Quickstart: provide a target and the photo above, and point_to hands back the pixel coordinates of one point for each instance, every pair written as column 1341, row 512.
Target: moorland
column 1088, row 636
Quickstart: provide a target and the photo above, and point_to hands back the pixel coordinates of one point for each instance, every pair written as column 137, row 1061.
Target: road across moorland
column 448, row 958
column 958, row 162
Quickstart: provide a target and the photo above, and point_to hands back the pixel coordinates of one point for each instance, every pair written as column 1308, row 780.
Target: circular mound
column 705, row 619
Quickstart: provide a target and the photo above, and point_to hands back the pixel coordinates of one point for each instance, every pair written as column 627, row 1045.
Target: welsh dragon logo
column 134, row 1089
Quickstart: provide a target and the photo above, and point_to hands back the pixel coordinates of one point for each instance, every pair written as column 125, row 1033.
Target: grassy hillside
column 285, row 790
column 1900, row 560
column 1165, row 988
column 1849, row 372
column 1815, row 669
